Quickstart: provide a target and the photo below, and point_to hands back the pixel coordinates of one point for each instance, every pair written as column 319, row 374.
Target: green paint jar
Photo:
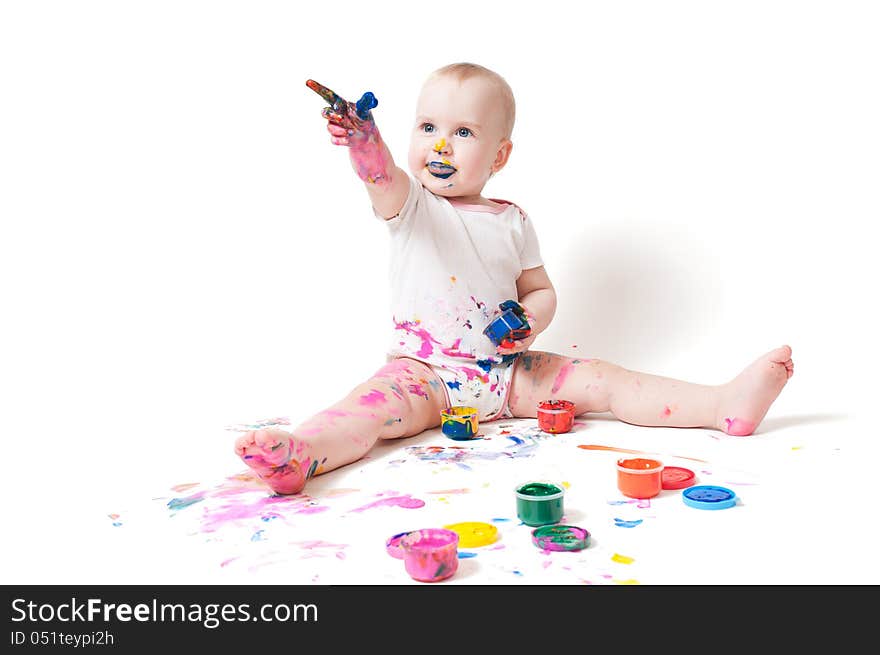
column 539, row 503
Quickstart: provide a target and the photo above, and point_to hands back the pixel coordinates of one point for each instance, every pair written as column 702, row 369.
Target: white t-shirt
column 451, row 266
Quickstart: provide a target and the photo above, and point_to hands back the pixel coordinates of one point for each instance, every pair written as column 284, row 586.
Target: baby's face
column 457, row 136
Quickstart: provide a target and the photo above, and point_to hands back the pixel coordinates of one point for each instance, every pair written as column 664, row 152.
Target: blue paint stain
column 465, row 555
column 515, row 439
column 500, row 520
column 180, row 503
column 258, row 536
column 454, row 385
column 620, row 523
column 363, row 106
column 464, row 466
column 485, row 364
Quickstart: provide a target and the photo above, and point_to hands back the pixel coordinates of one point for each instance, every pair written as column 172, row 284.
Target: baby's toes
column 244, row 443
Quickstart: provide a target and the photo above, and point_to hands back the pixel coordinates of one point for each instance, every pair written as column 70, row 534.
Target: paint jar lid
column 560, row 537
column 539, row 490
column 707, row 496
column 393, row 547
column 472, row 534
column 676, row 477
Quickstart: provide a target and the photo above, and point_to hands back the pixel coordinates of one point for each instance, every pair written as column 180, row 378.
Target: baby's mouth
column 441, row 170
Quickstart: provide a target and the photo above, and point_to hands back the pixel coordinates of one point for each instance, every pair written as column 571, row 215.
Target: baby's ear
column 502, row 156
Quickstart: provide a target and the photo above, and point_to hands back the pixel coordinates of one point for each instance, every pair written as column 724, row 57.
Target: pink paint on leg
column 561, row 376
column 739, row 427
column 375, row 397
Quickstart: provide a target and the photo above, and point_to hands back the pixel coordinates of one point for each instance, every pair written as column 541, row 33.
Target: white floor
column 802, row 516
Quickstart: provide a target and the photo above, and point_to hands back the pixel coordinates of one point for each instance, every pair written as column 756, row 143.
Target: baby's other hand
column 516, row 346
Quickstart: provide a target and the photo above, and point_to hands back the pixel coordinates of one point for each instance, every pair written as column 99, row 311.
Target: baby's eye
column 463, row 132
column 427, row 128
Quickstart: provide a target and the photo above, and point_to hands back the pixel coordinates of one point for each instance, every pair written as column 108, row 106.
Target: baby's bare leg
column 597, row 386
column 402, row 399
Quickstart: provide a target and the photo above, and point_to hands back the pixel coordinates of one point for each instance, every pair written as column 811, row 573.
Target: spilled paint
column 176, row 504
column 621, row 523
column 407, row 502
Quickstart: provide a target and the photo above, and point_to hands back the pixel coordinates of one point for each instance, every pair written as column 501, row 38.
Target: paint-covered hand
column 515, row 346
column 347, row 122
column 352, row 125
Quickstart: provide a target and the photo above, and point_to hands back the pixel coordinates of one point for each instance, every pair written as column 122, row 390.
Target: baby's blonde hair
column 464, row 70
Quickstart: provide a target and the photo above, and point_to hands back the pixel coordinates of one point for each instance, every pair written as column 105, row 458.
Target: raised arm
column 352, row 125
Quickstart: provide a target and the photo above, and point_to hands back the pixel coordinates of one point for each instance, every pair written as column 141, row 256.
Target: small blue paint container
column 511, row 324
column 460, row 423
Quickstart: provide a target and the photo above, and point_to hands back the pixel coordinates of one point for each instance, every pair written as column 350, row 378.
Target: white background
column 183, row 248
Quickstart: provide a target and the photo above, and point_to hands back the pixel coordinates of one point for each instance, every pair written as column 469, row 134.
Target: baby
column 456, row 256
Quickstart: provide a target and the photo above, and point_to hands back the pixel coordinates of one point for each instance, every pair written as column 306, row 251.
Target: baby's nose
column 441, row 147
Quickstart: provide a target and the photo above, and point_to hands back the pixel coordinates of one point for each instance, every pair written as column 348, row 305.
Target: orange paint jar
column 639, row 477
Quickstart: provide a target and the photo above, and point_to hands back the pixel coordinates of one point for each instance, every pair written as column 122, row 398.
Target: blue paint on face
column 441, row 170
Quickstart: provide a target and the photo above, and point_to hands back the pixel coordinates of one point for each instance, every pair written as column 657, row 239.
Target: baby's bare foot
column 746, row 399
column 270, row 454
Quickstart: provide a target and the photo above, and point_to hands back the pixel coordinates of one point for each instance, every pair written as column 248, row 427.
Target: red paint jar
column 639, row 477
column 555, row 416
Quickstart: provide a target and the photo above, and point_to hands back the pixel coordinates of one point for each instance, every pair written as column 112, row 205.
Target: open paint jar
column 555, row 416
column 459, row 423
column 431, row 554
column 639, row 477
column 539, row 503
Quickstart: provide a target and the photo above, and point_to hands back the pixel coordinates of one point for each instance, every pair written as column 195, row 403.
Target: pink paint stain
column 299, row 504
column 666, row 411
column 561, row 376
column 318, row 545
column 421, row 333
column 739, row 427
column 407, row 502
column 453, row 351
column 472, row 373
column 373, row 398
column 418, row 390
